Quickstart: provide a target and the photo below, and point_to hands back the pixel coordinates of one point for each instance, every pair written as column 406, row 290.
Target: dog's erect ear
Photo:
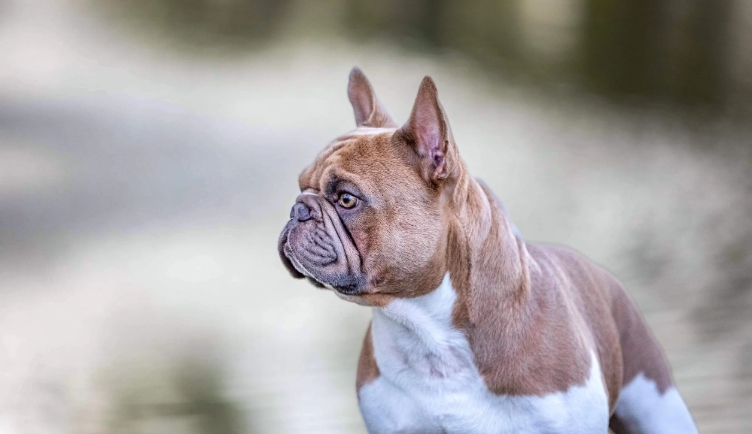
column 428, row 132
column 368, row 110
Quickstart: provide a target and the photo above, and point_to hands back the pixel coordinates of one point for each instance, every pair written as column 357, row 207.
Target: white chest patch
column 430, row 384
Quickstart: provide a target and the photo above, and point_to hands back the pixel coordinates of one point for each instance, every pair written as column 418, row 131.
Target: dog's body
column 474, row 330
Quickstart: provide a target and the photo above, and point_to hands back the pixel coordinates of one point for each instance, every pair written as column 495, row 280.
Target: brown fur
column 368, row 370
column 532, row 314
column 642, row 354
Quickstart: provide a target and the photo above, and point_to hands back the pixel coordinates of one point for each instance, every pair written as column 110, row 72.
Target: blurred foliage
column 657, row 50
column 651, row 48
column 202, row 21
column 656, row 47
column 184, row 394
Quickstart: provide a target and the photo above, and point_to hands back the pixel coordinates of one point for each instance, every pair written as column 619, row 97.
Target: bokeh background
column 149, row 153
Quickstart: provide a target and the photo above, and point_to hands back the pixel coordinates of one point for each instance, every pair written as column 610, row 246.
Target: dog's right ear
column 368, row 110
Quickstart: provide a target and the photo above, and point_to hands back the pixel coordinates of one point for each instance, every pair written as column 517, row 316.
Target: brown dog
column 474, row 330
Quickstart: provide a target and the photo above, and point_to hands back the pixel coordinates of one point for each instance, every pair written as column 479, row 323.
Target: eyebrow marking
column 331, row 184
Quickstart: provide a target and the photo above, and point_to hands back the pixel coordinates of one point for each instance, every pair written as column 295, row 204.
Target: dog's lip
column 287, row 250
column 350, row 290
column 295, row 261
column 347, row 290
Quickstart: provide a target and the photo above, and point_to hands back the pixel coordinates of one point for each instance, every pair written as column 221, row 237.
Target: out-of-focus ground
column 142, row 189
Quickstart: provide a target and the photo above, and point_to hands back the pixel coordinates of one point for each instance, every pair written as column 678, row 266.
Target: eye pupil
column 347, row 200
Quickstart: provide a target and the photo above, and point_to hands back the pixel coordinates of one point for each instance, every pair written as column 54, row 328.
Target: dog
column 474, row 330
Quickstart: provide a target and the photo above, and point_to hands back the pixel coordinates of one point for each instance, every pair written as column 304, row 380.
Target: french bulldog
column 474, row 330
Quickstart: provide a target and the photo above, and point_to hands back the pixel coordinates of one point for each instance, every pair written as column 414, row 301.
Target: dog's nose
column 300, row 212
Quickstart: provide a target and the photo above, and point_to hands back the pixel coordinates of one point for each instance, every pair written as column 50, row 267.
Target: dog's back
column 647, row 401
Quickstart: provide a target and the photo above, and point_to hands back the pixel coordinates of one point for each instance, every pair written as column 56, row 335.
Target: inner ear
column 369, row 112
column 426, row 124
column 428, row 132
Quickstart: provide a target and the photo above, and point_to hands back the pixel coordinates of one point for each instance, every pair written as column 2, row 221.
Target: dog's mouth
column 307, row 255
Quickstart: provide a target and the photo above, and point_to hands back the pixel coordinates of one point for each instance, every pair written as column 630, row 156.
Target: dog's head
column 376, row 206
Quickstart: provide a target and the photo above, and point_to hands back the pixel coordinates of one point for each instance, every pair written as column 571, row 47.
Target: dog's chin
column 349, row 290
column 346, row 290
column 357, row 299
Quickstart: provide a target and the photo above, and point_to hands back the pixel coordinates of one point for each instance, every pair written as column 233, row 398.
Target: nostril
column 300, row 212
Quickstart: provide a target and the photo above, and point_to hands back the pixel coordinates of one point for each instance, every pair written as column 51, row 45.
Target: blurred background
column 149, row 153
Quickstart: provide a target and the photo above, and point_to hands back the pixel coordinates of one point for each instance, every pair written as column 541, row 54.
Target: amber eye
column 347, row 201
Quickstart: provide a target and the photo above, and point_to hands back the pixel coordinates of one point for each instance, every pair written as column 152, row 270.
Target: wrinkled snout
column 311, row 245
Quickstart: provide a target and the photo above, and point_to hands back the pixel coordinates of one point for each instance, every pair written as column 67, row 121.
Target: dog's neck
column 487, row 261
column 485, row 274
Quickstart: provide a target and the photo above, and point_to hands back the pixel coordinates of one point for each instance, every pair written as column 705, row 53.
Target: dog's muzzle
column 310, row 246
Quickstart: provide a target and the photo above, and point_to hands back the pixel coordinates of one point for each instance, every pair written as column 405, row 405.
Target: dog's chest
column 429, row 382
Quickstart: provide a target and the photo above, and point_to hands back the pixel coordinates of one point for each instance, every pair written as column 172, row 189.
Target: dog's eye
column 347, row 200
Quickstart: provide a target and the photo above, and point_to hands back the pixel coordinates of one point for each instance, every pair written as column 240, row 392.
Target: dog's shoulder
column 597, row 296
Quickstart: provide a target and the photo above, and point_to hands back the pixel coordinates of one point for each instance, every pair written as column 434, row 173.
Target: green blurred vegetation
column 655, row 50
column 181, row 394
column 203, row 22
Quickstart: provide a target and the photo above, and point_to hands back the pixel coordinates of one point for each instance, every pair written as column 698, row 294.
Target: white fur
column 367, row 131
column 644, row 410
column 430, row 384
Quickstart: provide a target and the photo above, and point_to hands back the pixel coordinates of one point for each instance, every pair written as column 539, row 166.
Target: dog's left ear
column 428, row 132
column 369, row 112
